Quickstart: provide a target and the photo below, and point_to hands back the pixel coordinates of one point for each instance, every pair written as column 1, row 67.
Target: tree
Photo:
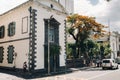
column 91, row 46
column 70, row 50
column 96, row 50
column 81, row 28
column 107, row 50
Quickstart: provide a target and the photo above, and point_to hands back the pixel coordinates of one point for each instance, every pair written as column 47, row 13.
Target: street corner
column 80, row 79
column 62, row 78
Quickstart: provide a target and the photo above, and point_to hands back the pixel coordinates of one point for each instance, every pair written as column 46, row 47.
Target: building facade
column 114, row 40
column 115, row 43
column 27, row 31
column 68, row 5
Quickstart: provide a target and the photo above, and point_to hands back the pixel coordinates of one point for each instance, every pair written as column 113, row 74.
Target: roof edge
column 15, row 7
column 28, row 2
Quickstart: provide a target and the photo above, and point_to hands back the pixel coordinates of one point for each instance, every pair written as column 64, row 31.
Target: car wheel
column 112, row 68
column 117, row 67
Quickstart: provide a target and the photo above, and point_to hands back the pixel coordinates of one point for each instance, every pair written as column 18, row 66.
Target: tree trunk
column 77, row 49
column 54, row 63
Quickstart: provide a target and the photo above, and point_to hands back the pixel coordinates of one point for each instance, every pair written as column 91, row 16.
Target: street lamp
column 48, row 49
column 49, row 45
column 109, row 34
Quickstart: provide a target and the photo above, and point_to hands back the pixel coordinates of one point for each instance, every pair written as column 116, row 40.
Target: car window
column 106, row 61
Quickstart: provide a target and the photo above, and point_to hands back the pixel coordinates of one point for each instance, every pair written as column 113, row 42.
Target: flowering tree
column 82, row 28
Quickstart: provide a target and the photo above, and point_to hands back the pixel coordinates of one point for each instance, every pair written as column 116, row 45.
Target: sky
column 6, row 5
column 107, row 13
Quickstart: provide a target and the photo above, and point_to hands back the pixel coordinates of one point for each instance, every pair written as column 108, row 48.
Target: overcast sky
column 104, row 12
column 5, row 5
column 107, row 13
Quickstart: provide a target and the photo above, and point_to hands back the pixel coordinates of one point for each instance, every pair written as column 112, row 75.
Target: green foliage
column 107, row 50
column 69, row 53
column 80, row 28
column 71, row 30
column 90, row 44
column 92, row 48
column 96, row 49
column 54, row 49
column 70, row 50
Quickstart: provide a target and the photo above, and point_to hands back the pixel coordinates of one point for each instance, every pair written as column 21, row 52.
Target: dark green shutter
column 10, row 54
column 1, row 54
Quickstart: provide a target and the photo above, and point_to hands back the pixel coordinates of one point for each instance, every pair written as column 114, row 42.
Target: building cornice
column 49, row 8
column 15, row 7
column 29, row 1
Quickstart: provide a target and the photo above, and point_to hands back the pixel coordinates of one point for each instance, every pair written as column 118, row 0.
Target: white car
column 109, row 63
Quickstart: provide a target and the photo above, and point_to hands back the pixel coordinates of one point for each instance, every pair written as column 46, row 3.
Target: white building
column 68, row 5
column 115, row 44
column 24, row 34
column 114, row 40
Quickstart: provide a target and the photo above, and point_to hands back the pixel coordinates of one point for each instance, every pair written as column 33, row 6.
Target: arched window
column 51, row 34
column 2, row 31
column 11, row 29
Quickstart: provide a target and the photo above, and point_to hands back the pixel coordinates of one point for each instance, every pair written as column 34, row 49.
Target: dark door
column 51, row 28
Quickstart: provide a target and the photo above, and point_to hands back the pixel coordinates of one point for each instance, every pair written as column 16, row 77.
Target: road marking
column 102, row 74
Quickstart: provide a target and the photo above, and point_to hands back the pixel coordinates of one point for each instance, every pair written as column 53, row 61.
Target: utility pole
column 49, row 44
column 48, row 48
column 109, row 34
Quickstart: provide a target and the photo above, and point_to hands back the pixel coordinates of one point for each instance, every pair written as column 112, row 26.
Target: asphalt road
column 88, row 74
column 95, row 74
column 78, row 74
column 107, row 75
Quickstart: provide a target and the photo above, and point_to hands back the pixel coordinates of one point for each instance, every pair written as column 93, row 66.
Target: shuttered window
column 1, row 54
column 11, row 29
column 2, row 31
column 10, row 54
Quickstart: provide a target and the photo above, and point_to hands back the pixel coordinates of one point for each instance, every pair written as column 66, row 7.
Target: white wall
column 113, row 45
column 22, row 50
column 68, row 5
column 45, row 13
column 21, row 46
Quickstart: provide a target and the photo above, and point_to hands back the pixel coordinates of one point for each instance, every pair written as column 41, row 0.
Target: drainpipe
column 30, row 9
column 116, row 45
column 49, row 45
column 48, row 48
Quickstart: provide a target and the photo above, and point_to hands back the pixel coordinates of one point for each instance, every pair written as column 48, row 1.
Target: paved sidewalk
column 4, row 76
column 15, row 75
column 81, row 68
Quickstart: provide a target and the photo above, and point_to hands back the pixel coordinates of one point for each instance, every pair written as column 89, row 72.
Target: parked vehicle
column 109, row 63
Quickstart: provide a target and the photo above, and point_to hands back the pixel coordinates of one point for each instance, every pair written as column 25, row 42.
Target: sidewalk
column 16, row 75
column 81, row 68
